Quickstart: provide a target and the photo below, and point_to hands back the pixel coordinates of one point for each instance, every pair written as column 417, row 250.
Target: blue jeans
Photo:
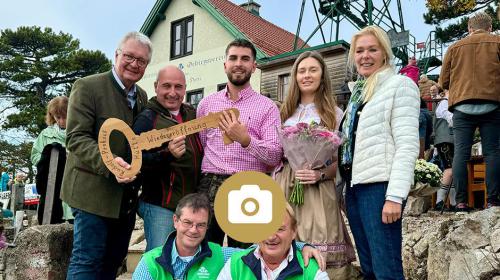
column 99, row 245
column 158, row 223
column 464, row 126
column 378, row 244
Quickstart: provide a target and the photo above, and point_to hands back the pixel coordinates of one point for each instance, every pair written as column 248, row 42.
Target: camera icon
column 250, row 205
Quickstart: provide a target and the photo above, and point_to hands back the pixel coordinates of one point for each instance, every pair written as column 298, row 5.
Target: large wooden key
column 151, row 139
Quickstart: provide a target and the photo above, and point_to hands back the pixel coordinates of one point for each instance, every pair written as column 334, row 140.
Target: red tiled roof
column 271, row 39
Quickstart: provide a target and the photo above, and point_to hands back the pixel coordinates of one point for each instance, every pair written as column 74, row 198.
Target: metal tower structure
column 386, row 14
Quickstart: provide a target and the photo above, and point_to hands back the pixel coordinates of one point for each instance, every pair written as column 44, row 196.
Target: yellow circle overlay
column 241, row 189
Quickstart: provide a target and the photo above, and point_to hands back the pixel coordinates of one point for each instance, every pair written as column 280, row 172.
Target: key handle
column 150, row 139
column 108, row 158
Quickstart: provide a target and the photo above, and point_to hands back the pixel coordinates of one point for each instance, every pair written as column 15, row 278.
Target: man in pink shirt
column 256, row 144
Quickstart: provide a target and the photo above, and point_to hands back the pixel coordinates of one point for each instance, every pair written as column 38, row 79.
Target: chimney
column 251, row 7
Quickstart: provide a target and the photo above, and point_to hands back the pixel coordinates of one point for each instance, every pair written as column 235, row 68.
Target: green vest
column 208, row 268
column 239, row 270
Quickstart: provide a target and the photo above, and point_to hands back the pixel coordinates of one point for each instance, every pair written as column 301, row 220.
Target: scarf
column 355, row 101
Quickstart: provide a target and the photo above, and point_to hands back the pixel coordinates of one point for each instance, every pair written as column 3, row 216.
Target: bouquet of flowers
column 308, row 146
column 427, row 178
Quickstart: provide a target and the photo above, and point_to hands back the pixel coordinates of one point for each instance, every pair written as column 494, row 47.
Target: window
column 182, row 38
column 283, row 85
column 194, row 97
column 221, row 86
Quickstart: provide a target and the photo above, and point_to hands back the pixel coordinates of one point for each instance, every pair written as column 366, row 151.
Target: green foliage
column 16, row 158
column 37, row 65
column 441, row 11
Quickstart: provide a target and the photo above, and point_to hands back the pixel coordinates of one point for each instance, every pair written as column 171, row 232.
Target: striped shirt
column 262, row 118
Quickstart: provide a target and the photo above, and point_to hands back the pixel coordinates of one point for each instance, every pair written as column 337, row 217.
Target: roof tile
column 271, row 39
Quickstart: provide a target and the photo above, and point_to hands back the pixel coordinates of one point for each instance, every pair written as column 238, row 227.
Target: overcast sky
column 99, row 25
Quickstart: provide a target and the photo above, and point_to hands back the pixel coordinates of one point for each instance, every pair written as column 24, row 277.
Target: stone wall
column 452, row 246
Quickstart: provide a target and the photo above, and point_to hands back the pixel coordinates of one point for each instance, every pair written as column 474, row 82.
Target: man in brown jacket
column 104, row 206
column 471, row 72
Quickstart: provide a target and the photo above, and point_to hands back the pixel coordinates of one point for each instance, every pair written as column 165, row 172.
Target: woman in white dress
column 310, row 98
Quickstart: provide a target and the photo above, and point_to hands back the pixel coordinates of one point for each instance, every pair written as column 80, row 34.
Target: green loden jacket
column 87, row 183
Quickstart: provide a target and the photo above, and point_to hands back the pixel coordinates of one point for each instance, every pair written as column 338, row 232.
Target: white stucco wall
column 204, row 68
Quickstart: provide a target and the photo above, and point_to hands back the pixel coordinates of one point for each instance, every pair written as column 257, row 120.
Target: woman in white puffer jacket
column 378, row 159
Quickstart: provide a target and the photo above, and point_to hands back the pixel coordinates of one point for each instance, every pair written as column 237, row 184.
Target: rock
column 41, row 252
column 495, row 241
column 415, row 206
column 452, row 246
column 473, row 264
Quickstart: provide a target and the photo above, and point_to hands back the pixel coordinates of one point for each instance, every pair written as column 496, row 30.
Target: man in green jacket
column 274, row 258
column 187, row 254
column 103, row 205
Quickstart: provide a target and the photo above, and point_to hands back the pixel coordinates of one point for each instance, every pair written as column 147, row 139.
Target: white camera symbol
column 250, row 205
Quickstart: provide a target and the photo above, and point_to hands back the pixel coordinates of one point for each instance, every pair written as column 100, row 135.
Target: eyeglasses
column 190, row 224
column 130, row 59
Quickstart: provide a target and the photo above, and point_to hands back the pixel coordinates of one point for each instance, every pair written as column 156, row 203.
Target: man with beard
column 173, row 170
column 256, row 144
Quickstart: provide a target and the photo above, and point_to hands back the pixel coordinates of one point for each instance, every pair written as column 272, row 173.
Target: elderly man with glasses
column 274, row 258
column 104, row 206
column 187, row 254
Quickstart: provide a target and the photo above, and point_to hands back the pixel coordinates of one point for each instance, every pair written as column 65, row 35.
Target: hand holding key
column 177, row 146
column 151, row 139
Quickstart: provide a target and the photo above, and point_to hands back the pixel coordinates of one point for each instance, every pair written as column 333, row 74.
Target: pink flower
column 302, row 126
column 289, row 131
column 322, row 133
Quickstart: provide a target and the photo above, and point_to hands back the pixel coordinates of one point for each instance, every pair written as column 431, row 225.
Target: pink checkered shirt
column 261, row 117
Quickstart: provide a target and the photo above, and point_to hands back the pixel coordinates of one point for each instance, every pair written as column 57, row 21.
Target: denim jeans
column 464, row 126
column 99, row 245
column 158, row 223
column 378, row 244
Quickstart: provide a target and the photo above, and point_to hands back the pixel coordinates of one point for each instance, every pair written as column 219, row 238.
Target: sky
column 99, row 25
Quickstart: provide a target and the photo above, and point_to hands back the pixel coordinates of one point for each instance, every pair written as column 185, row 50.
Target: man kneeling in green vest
column 274, row 258
column 187, row 254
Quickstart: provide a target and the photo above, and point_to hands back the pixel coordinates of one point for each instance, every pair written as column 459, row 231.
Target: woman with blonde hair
column 54, row 135
column 310, row 99
column 378, row 159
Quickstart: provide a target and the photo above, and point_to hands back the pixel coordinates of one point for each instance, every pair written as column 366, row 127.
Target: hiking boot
column 463, row 207
column 439, row 206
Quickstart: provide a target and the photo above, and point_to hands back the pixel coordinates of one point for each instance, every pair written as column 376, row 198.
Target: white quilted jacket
column 387, row 143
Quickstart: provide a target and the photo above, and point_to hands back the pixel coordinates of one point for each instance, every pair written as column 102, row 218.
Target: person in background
column 411, row 70
column 424, row 129
column 19, row 187
column 320, row 221
column 443, row 140
column 4, row 181
column 55, row 132
column 378, row 158
column 54, row 135
column 471, row 71
column 425, row 85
